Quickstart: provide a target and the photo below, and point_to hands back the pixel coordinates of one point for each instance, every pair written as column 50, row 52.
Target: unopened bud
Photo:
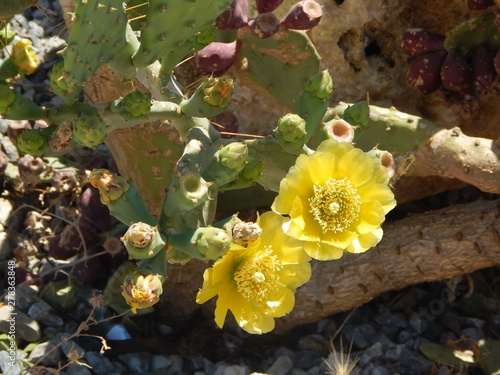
column 143, row 241
column 142, row 289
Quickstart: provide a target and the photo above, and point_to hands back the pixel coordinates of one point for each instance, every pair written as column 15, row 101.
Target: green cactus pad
column 313, row 101
column 466, row 36
column 169, row 23
column 98, row 35
column 281, row 64
column 14, row 106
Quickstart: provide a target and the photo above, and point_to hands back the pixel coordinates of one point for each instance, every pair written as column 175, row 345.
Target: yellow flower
column 24, row 57
column 337, row 199
column 257, row 282
column 141, row 289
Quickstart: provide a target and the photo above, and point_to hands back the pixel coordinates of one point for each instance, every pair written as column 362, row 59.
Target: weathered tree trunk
column 427, row 247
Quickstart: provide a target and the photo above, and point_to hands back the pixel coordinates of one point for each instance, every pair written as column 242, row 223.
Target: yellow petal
column 322, row 251
column 371, row 216
column 365, row 241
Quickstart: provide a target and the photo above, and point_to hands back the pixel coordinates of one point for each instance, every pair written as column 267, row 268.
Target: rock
column 100, row 364
column 47, row 353
column 374, row 351
column 375, row 370
column 360, row 335
column 305, row 359
column 25, row 327
column 7, row 366
column 76, row 369
column 137, row 362
column 281, row 366
column 312, row 342
column 43, row 312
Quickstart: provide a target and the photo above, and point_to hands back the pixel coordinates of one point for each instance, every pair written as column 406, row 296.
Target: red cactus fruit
column 419, row 41
column 217, row 57
column 424, row 72
column 265, row 25
column 303, row 15
column 479, row 4
column 233, row 18
column 456, row 73
column 266, row 6
column 483, row 69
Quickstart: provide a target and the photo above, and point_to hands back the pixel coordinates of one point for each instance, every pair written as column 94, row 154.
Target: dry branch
column 427, row 247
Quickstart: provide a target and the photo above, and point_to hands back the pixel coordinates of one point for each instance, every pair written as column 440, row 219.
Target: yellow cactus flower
column 337, row 199
column 24, row 57
column 257, row 282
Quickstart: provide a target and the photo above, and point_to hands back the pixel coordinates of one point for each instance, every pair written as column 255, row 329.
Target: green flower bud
column 252, row 170
column 137, row 104
column 34, row 141
column 320, row 85
column 89, row 130
column 233, row 156
column 143, row 241
column 358, row 113
column 213, row 242
column 291, row 128
column 111, row 187
column 7, row 97
column 57, row 76
column 218, row 90
column 142, row 289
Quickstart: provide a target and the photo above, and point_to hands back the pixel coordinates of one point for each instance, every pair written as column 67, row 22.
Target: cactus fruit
column 483, row 69
column 233, row 18
column 266, row 6
column 30, row 167
column 339, row 130
column 217, row 57
column 89, row 130
column 143, row 241
column 424, row 72
column 264, row 25
column 455, row 71
column 479, row 4
column 210, row 98
column 419, row 41
column 303, row 15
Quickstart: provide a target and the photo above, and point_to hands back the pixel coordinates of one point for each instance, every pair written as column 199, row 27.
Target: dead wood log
column 427, row 247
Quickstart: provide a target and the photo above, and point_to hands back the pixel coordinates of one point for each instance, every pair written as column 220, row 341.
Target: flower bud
column 24, row 57
column 111, row 187
column 141, row 289
column 89, row 130
column 143, row 241
column 213, row 242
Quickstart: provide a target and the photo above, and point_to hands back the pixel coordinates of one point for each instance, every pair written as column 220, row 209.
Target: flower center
column 335, row 204
column 256, row 276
